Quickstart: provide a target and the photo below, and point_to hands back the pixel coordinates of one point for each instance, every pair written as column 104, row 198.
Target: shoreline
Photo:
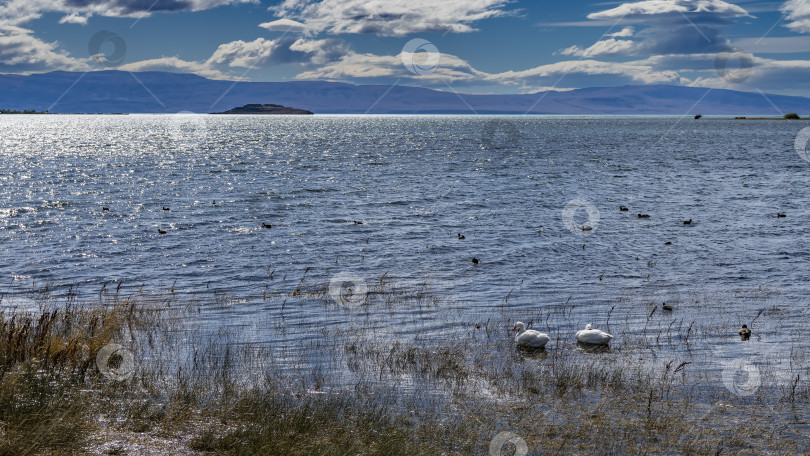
column 220, row 394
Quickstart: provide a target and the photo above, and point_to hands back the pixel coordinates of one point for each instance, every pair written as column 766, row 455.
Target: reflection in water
column 593, row 348
column 528, row 353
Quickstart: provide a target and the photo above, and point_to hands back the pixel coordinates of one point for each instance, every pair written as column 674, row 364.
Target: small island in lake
column 790, row 116
column 266, row 109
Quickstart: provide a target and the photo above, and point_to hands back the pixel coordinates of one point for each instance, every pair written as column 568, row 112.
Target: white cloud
column 767, row 75
column 670, row 41
column 318, row 52
column 355, row 65
column 798, row 12
column 624, row 33
column 717, row 8
column 634, row 71
column 21, row 52
column 262, row 52
column 370, row 68
column 244, row 53
column 74, row 18
column 284, row 25
column 365, row 66
column 390, row 17
column 25, row 10
column 748, row 72
column 667, row 27
column 258, row 53
column 604, row 47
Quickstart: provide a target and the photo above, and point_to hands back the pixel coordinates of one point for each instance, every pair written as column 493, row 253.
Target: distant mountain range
column 156, row 92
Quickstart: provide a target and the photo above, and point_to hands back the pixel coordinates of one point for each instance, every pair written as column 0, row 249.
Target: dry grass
column 199, row 393
column 47, row 362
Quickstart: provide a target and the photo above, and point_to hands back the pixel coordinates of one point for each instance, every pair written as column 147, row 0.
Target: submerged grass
column 192, row 392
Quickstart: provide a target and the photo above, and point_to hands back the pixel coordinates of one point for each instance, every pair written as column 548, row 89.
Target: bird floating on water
column 105, row 209
column 643, row 215
column 687, row 222
column 529, row 337
column 668, row 243
column 623, row 208
column 356, row 222
column 781, row 215
column 475, row 260
column 460, row 236
column 587, row 228
column 166, row 208
column 593, row 336
column 666, row 307
column 266, row 225
column 161, row 231
column 744, row 332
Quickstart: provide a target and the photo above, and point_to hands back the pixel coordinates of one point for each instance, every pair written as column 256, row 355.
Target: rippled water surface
column 414, row 183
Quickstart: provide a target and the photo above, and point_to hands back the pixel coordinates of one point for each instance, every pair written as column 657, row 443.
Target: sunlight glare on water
column 414, row 183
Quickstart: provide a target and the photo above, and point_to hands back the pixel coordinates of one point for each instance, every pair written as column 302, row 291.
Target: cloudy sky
column 471, row 46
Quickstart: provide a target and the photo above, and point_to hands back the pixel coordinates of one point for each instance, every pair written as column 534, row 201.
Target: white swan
column 593, row 336
column 529, row 337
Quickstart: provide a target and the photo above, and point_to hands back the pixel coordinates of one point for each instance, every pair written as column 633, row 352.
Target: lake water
column 518, row 188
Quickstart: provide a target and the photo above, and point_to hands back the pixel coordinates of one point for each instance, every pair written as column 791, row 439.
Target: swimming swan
column 529, row 337
column 593, row 336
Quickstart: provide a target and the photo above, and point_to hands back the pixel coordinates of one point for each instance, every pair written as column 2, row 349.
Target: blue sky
column 470, row 46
